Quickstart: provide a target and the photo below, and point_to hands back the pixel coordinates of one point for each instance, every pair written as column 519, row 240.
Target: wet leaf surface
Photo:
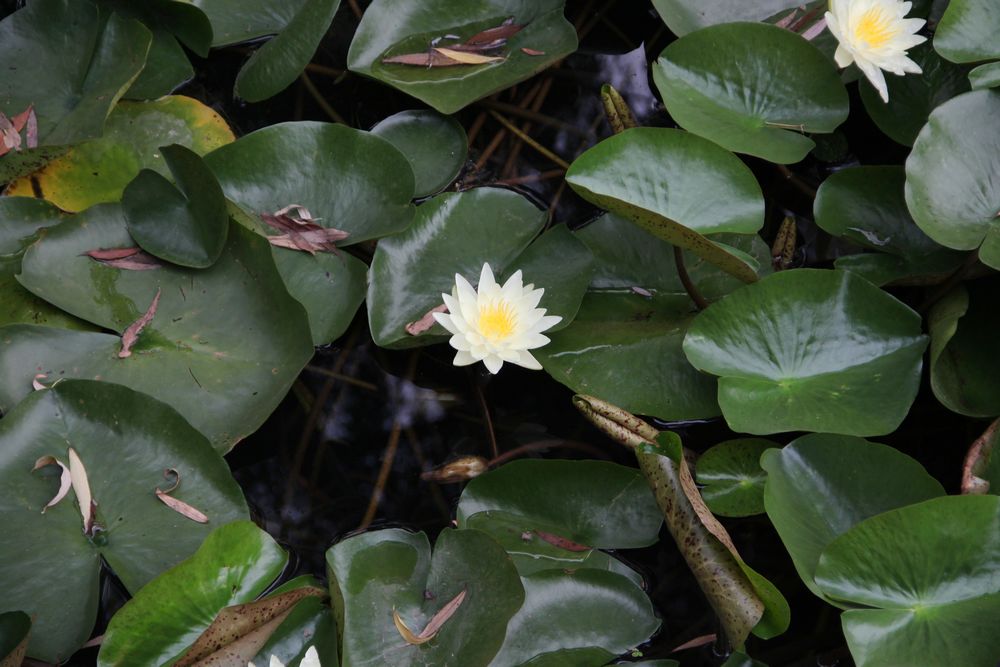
column 731, row 478
column 435, row 145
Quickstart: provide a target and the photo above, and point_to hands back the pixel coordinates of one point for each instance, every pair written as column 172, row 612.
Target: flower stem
column 682, row 273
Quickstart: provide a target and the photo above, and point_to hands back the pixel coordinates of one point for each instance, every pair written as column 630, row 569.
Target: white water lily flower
column 310, row 659
column 875, row 35
column 496, row 323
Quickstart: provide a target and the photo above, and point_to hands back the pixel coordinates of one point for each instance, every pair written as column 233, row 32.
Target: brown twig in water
column 534, row 116
column 531, row 142
column 532, row 178
column 332, row 72
column 546, row 444
column 355, row 8
column 682, row 273
column 494, row 143
column 320, row 100
column 343, row 378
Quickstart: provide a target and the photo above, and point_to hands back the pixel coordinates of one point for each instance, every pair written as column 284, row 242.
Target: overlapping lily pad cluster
column 164, row 282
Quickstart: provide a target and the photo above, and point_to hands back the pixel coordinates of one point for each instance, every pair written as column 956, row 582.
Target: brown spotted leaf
column 131, row 334
column 65, row 480
column 426, row 322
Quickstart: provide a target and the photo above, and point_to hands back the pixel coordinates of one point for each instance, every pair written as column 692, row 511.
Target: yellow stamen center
column 496, row 320
column 875, row 27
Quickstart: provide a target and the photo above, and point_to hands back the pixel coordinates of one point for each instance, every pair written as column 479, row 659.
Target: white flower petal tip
column 497, row 323
column 310, row 659
column 875, row 34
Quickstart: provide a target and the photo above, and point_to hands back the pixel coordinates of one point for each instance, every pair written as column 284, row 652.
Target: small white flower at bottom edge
column 495, row 323
column 310, row 659
column 875, row 35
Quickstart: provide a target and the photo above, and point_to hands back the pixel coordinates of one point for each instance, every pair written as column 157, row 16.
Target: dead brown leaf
column 433, row 626
column 176, row 504
column 130, row 259
column 695, row 643
column 65, row 480
column 561, row 542
column 465, row 57
column 976, row 461
column 461, row 469
column 422, row 59
column 81, row 487
column 131, row 334
column 425, row 322
column 301, row 231
column 10, row 130
column 531, row 52
column 504, row 31
column 36, row 381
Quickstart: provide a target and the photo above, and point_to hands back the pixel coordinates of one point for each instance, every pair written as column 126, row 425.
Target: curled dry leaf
column 695, row 643
column 433, row 626
column 466, row 58
column 36, row 381
column 301, row 231
column 10, row 130
column 130, row 259
column 131, row 334
column 426, row 322
column 503, row 32
column 81, row 487
column 177, row 505
column 531, row 52
column 976, row 460
column 460, row 470
column 65, row 480
column 561, row 542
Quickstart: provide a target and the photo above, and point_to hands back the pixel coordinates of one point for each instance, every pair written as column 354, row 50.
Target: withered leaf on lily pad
column 81, row 487
column 10, row 130
column 466, row 58
column 431, row 629
column 301, row 232
column 65, row 481
column 130, row 259
column 176, row 504
column 131, row 334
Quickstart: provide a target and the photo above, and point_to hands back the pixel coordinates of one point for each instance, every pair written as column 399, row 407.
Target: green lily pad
column 235, row 21
column 985, row 76
column 435, row 145
column 72, row 83
column 184, row 223
column 920, row 572
column 310, row 624
column 731, row 478
column 964, row 372
column 223, row 347
column 278, row 63
column 810, row 350
column 15, row 630
column 914, row 96
column 967, row 32
column 390, row 29
column 125, row 441
column 625, row 343
column 375, row 574
column 950, row 188
column 592, row 503
column 866, row 205
column 741, row 659
column 454, row 233
column 167, row 69
column 684, row 16
column 820, row 486
column 98, row 171
column 678, row 187
column 233, row 566
column 751, row 88
column 601, row 613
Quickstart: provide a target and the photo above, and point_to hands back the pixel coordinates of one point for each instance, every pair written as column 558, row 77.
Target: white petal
column 311, row 658
column 514, row 286
column 463, row 358
column 531, row 341
column 527, row 360
column 468, row 300
column 874, row 74
column 486, row 279
column 493, row 364
column 445, row 320
column 455, row 313
column 545, row 323
column 460, row 342
column 843, row 56
column 275, row 662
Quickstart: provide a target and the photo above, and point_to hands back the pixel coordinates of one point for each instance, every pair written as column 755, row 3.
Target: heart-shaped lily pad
column 125, row 440
column 586, row 616
column 985, row 76
column 867, row 205
column 223, row 345
column 378, row 576
column 592, row 503
column 752, row 88
column 235, row 21
column 677, row 186
column 72, row 83
column 98, row 171
column 435, row 145
column 184, row 223
column 810, row 350
column 684, row 16
column 194, row 609
column 731, row 478
column 951, row 190
column 964, row 371
column 846, row 480
column 967, row 32
column 920, row 572
column 913, row 97
column 392, row 29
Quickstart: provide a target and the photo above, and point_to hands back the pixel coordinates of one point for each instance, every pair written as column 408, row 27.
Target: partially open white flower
column 497, row 323
column 310, row 659
column 875, row 35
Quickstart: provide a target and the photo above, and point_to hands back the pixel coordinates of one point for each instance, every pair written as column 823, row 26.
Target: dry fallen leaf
column 176, row 504
column 65, row 480
column 81, row 487
column 10, row 130
column 531, row 52
column 460, row 470
column 131, row 334
column 302, row 232
column 422, row 59
column 426, row 322
column 466, row 58
column 503, row 31
column 433, row 626
column 130, row 259
column 561, row 542
column 36, row 381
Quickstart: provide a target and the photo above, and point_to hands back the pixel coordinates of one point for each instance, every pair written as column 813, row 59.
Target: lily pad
column 435, row 145
column 964, row 373
column 223, row 347
column 678, row 187
column 950, row 188
column 192, row 603
column 920, row 572
column 184, row 222
column 15, row 630
column 72, row 83
column 592, row 503
column 820, row 486
column 684, row 16
column 810, row 350
column 390, row 29
column 600, row 613
column 167, row 69
column 376, row 574
column 125, row 440
column 967, row 32
column 21, row 218
column 752, row 88
column 985, row 76
column 98, row 171
column 278, row 63
column 452, row 233
column 731, row 478
column 866, row 205
column 914, row 96
column 235, row 21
